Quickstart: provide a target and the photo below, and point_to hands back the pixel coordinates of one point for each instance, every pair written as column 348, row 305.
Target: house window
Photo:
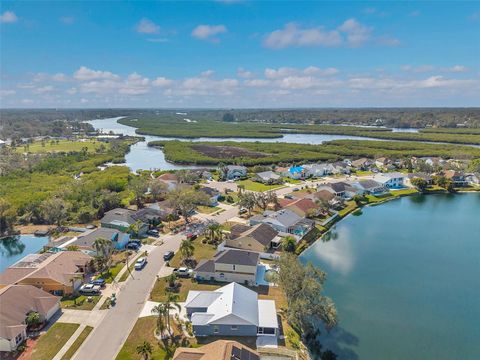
column 234, row 327
column 18, row 339
column 233, row 267
column 215, row 329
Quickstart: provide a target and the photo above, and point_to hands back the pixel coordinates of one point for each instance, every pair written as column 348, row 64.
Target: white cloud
column 162, row 82
column 8, row 17
column 458, row 68
column 7, row 92
column 418, row 69
column 292, row 35
column 86, row 74
column 387, row 41
column 147, row 26
column 208, row 32
column 357, row 34
column 258, row 83
column 207, row 73
column 60, row 77
column 241, row 72
column 67, row 20
column 158, row 40
column 44, row 89
column 288, row 71
column 72, row 91
column 135, row 85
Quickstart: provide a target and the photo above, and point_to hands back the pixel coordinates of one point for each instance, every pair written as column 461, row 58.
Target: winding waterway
column 144, row 157
column 405, row 279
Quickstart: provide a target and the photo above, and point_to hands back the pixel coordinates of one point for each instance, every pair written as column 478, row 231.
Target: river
column 144, row 157
column 405, row 279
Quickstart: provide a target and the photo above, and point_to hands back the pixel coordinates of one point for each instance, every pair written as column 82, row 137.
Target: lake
column 12, row 250
column 405, row 278
column 143, row 157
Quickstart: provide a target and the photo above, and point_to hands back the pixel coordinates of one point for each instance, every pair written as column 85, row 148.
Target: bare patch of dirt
column 226, row 152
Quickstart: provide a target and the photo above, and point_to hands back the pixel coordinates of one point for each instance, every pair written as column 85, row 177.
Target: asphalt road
column 108, row 337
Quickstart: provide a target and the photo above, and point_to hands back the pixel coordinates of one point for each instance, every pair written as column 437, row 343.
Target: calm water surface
column 12, row 250
column 405, row 279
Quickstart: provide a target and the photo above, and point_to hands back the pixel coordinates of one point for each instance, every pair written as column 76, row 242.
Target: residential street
column 107, row 338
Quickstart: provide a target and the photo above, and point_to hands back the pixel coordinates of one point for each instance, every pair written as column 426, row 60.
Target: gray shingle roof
column 237, row 257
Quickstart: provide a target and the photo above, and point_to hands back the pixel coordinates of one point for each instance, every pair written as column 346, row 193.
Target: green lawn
column 363, row 172
column 159, row 293
column 256, row 186
column 50, row 343
column 202, row 251
column 350, row 206
column 62, row 146
column 110, row 275
column 404, row 192
column 77, row 343
column 80, row 301
column 207, row 209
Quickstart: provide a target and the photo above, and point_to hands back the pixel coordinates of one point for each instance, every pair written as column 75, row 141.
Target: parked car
column 296, row 189
column 153, row 232
column 183, row 272
column 168, row 255
column 132, row 246
column 90, row 289
column 191, row 236
column 242, row 210
column 100, row 282
column 290, row 197
column 140, row 264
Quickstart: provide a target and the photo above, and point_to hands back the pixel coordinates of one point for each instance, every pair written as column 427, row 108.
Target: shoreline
column 398, row 197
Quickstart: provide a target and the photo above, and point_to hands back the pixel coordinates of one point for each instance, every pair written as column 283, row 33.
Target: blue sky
column 239, row 54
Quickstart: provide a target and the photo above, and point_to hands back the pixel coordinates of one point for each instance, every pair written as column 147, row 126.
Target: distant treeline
column 184, row 152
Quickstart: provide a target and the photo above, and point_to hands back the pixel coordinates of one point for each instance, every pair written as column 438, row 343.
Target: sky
column 239, row 54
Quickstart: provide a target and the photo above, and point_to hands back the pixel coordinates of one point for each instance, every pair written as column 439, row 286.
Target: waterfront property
column 403, row 277
column 394, row 180
column 86, row 242
column 340, row 189
column 232, row 310
column 58, row 273
column 370, row 187
column 230, row 265
column 284, row 221
column 218, row 350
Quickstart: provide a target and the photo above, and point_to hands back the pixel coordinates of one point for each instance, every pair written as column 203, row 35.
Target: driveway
column 107, row 338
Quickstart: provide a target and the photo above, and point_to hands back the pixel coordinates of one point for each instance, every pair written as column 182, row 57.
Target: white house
column 394, row 180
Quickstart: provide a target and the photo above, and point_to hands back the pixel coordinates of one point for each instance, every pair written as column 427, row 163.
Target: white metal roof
column 267, row 314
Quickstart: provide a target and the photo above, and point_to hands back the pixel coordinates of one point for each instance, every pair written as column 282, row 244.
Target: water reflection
column 339, row 255
column 11, row 246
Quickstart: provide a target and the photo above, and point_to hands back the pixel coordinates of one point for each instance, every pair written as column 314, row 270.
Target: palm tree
column 162, row 313
column 171, row 304
column 103, row 248
column 289, row 243
column 170, row 218
column 134, row 229
column 214, row 231
column 171, row 280
column 145, row 349
column 32, row 319
column 187, row 250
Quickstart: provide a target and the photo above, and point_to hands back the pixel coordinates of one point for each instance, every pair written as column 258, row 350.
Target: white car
column 90, row 289
column 140, row 264
column 183, row 272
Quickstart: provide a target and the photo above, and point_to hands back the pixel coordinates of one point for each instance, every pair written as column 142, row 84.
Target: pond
column 405, row 279
column 14, row 249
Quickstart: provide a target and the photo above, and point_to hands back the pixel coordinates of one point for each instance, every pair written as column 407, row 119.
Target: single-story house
column 362, row 164
column 58, row 273
column 394, row 180
column 150, row 215
column 235, row 172
column 341, row 167
column 229, row 265
column 267, row 177
column 121, row 219
column 341, row 189
column 169, row 179
column 212, row 194
column 419, row 175
column 17, row 301
column 217, row 350
column 85, row 242
column 296, row 172
column 284, row 221
column 457, row 177
column 324, row 196
column 259, row 238
column 473, row 179
column 370, row 187
column 232, row 310
column 304, row 207
column 382, row 162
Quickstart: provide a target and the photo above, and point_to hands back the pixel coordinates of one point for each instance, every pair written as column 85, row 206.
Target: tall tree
column 157, row 188
column 7, row 218
column 138, row 186
column 248, row 201
column 55, row 211
column 171, row 303
column 186, row 249
column 185, row 200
